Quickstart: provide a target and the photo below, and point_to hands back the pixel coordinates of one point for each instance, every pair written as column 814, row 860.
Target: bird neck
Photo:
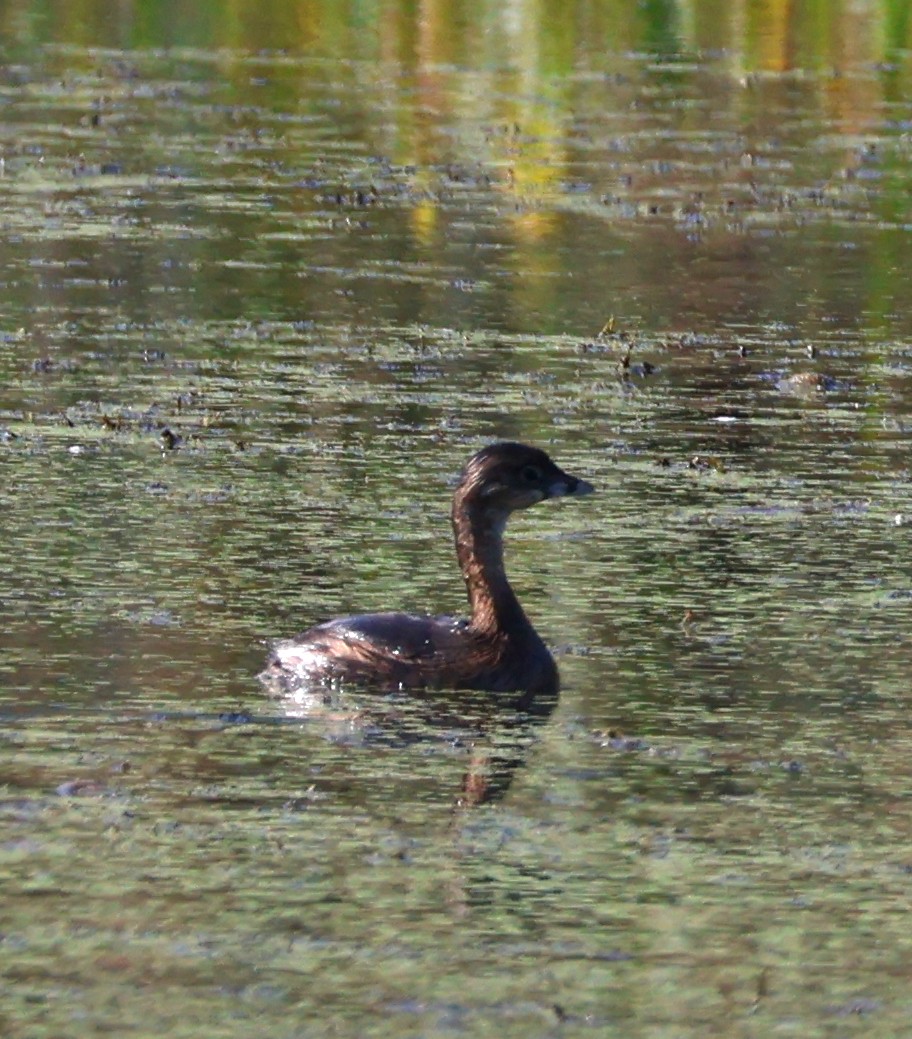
column 479, row 547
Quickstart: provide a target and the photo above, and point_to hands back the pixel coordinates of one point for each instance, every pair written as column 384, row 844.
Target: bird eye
column 531, row 473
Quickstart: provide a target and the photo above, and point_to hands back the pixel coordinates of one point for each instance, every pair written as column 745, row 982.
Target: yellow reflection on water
column 540, row 38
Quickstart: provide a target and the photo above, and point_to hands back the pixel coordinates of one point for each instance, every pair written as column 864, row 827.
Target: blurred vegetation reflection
column 538, row 38
column 551, row 121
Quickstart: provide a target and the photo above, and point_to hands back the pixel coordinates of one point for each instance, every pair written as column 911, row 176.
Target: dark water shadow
column 496, row 730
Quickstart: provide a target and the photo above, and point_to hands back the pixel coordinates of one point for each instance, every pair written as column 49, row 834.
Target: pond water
column 270, row 276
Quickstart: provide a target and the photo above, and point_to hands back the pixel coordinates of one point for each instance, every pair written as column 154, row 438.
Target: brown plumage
column 495, row 649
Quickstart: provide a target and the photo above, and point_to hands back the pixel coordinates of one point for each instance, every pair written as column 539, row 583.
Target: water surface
column 268, row 282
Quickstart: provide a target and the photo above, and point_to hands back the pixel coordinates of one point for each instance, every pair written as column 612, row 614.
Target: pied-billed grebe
column 495, row 649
